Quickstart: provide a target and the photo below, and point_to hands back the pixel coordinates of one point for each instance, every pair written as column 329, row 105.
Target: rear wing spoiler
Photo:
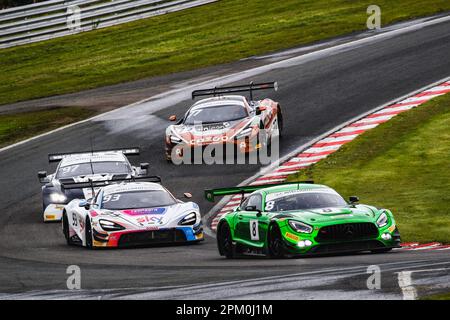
column 235, row 89
column 67, row 185
column 211, row 193
column 56, row 157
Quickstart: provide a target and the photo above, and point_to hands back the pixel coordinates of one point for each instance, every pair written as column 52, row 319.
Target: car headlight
column 244, row 133
column 110, row 226
column 175, row 140
column 57, row 198
column 300, row 226
column 382, row 220
column 189, row 219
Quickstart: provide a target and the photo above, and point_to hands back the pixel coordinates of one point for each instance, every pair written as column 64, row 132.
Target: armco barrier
column 47, row 20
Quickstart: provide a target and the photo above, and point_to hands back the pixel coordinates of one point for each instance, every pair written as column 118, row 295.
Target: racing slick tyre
column 275, row 243
column 225, row 241
column 65, row 223
column 88, row 234
column 279, row 123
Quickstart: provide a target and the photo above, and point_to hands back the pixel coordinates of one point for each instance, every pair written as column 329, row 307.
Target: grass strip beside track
column 19, row 126
column 443, row 296
column 216, row 33
column 403, row 165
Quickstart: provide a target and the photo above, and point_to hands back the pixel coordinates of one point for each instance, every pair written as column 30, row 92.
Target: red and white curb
column 415, row 246
column 330, row 144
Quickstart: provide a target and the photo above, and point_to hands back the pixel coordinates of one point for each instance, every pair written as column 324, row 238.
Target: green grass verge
column 19, row 126
column 402, row 165
column 444, row 296
column 216, row 33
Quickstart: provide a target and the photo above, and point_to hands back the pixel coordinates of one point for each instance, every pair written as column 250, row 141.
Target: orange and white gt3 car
column 225, row 119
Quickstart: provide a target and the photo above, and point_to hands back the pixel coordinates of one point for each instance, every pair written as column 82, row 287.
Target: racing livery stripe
column 333, row 142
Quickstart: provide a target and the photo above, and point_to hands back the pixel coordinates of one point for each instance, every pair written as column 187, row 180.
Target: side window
column 244, row 204
column 254, row 200
column 98, row 198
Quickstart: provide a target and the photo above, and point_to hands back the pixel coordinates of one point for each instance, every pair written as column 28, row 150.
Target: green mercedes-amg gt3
column 299, row 219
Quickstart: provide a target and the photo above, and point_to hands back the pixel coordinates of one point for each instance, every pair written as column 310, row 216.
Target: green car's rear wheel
column 225, row 241
column 275, row 242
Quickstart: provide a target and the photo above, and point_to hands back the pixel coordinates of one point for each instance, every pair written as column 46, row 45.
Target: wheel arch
column 280, row 116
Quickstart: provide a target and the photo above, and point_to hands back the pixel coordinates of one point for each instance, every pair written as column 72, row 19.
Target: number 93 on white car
column 130, row 213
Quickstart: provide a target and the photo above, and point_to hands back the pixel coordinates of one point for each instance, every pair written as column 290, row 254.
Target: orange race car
column 225, row 120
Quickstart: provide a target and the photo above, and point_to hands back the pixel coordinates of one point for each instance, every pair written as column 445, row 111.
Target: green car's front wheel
column 275, row 245
column 225, row 241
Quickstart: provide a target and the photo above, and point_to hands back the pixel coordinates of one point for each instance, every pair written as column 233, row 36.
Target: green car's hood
column 360, row 213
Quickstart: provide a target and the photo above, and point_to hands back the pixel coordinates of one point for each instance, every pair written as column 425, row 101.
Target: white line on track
column 218, row 288
column 405, row 284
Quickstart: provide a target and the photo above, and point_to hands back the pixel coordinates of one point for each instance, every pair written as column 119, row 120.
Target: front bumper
column 295, row 243
column 53, row 212
column 242, row 146
column 139, row 238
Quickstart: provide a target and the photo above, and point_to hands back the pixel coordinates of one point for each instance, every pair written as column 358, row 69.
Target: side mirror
column 144, row 166
column 173, row 118
column 187, row 195
column 253, row 208
column 353, row 199
column 42, row 176
column 260, row 109
column 84, row 204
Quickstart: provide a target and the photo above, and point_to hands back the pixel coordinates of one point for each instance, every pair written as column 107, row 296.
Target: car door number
column 74, row 220
column 254, row 231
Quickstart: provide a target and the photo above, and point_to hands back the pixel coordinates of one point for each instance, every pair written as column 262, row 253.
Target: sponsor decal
column 93, row 213
column 211, row 127
column 149, row 219
column 292, row 236
column 210, row 139
column 281, row 194
column 142, row 212
column 343, row 216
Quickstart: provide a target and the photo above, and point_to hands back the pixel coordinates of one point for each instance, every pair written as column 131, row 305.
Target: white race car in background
column 129, row 213
column 82, row 167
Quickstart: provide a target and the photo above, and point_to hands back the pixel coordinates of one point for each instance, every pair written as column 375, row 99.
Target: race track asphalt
column 317, row 92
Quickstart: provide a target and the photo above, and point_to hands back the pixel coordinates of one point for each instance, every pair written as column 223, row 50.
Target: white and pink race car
column 130, row 213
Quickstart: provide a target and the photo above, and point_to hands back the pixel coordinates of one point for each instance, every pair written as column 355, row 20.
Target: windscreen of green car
column 305, row 201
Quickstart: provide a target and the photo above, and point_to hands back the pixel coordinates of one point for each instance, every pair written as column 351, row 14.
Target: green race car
column 300, row 219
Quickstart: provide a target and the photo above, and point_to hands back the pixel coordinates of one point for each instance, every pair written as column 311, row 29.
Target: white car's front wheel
column 66, row 231
column 88, row 234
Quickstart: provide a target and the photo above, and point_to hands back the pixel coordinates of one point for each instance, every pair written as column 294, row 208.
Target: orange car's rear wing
column 235, row 89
